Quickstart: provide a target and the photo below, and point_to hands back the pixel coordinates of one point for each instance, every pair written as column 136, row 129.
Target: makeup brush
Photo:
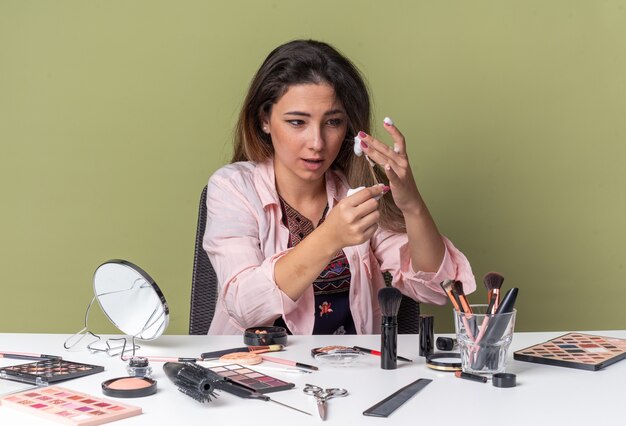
column 163, row 359
column 28, row 356
column 253, row 349
column 446, row 285
column 496, row 328
column 240, row 391
column 448, row 288
column 377, row 353
column 493, row 282
column 457, row 288
column 200, row 383
column 372, row 172
column 389, row 299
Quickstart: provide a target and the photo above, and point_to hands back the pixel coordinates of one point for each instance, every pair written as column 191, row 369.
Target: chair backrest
column 203, row 281
column 204, row 288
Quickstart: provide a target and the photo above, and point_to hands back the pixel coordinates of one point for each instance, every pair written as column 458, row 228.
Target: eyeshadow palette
column 576, row 350
column 7, row 387
column 48, row 371
column 251, row 379
column 69, row 407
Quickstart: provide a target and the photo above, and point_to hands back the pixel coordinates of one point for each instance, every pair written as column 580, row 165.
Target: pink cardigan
column 245, row 237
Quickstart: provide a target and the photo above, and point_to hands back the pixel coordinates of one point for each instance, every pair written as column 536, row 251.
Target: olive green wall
column 113, row 114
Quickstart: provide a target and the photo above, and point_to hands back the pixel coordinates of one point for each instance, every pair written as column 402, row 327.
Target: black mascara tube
column 389, row 343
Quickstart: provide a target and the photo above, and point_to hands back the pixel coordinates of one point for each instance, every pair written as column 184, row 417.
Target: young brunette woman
column 288, row 245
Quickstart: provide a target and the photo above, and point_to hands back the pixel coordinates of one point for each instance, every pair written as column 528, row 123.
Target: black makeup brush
column 199, row 383
column 493, row 282
column 389, row 299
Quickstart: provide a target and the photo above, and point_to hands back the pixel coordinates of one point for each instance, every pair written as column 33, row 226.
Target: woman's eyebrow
column 306, row 114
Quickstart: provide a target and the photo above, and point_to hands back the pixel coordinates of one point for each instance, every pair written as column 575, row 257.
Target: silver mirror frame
column 149, row 280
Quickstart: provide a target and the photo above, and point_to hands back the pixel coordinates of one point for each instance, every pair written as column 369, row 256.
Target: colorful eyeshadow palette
column 7, row 387
column 576, row 350
column 48, row 371
column 251, row 379
column 69, row 407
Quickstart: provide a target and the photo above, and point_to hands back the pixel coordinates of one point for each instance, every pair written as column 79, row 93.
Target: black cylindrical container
column 389, row 343
column 446, row 343
column 427, row 334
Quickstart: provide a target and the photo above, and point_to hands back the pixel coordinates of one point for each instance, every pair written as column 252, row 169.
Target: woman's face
column 307, row 125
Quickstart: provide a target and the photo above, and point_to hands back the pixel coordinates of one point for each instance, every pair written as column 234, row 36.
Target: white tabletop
column 544, row 394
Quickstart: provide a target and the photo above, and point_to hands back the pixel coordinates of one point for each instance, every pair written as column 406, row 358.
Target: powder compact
column 444, row 361
column 337, row 355
column 129, row 387
column 264, row 336
column 246, row 358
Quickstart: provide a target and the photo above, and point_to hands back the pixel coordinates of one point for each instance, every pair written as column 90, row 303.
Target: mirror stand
column 132, row 301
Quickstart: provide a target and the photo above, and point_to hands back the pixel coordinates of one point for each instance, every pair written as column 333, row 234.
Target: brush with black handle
column 200, row 384
column 389, row 299
column 495, row 330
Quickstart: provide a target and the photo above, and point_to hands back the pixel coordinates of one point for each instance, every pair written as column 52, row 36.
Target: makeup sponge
column 358, row 151
column 355, row 190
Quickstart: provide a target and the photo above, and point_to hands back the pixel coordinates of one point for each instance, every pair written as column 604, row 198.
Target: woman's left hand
column 396, row 164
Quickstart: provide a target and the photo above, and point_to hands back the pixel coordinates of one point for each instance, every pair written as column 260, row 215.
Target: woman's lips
column 313, row 164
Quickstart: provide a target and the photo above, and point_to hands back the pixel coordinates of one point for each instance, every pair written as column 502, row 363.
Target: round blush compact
column 444, row 361
column 247, row 358
column 129, row 387
column 264, row 336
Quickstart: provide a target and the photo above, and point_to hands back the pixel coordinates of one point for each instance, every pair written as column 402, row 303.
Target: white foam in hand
column 358, row 151
column 352, row 191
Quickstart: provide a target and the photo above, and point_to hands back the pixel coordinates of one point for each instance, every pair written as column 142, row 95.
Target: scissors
column 323, row 395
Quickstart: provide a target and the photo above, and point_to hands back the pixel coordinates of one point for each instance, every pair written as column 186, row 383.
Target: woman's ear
column 265, row 125
column 265, row 122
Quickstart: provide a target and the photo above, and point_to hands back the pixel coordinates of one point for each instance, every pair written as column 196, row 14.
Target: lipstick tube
column 470, row 376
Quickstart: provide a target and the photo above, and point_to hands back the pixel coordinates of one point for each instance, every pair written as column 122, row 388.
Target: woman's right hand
column 355, row 218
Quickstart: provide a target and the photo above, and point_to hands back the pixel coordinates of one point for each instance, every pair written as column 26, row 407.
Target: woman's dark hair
column 311, row 62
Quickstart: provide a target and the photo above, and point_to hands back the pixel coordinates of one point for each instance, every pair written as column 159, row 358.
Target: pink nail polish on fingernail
column 362, row 134
column 386, row 189
column 364, row 145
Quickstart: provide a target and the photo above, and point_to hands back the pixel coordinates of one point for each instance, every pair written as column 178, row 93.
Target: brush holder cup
column 484, row 339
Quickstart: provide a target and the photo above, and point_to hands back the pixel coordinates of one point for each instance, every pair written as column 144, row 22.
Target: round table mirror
column 131, row 299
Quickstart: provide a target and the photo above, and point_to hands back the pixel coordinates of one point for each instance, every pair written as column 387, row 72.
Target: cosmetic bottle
column 139, row 366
